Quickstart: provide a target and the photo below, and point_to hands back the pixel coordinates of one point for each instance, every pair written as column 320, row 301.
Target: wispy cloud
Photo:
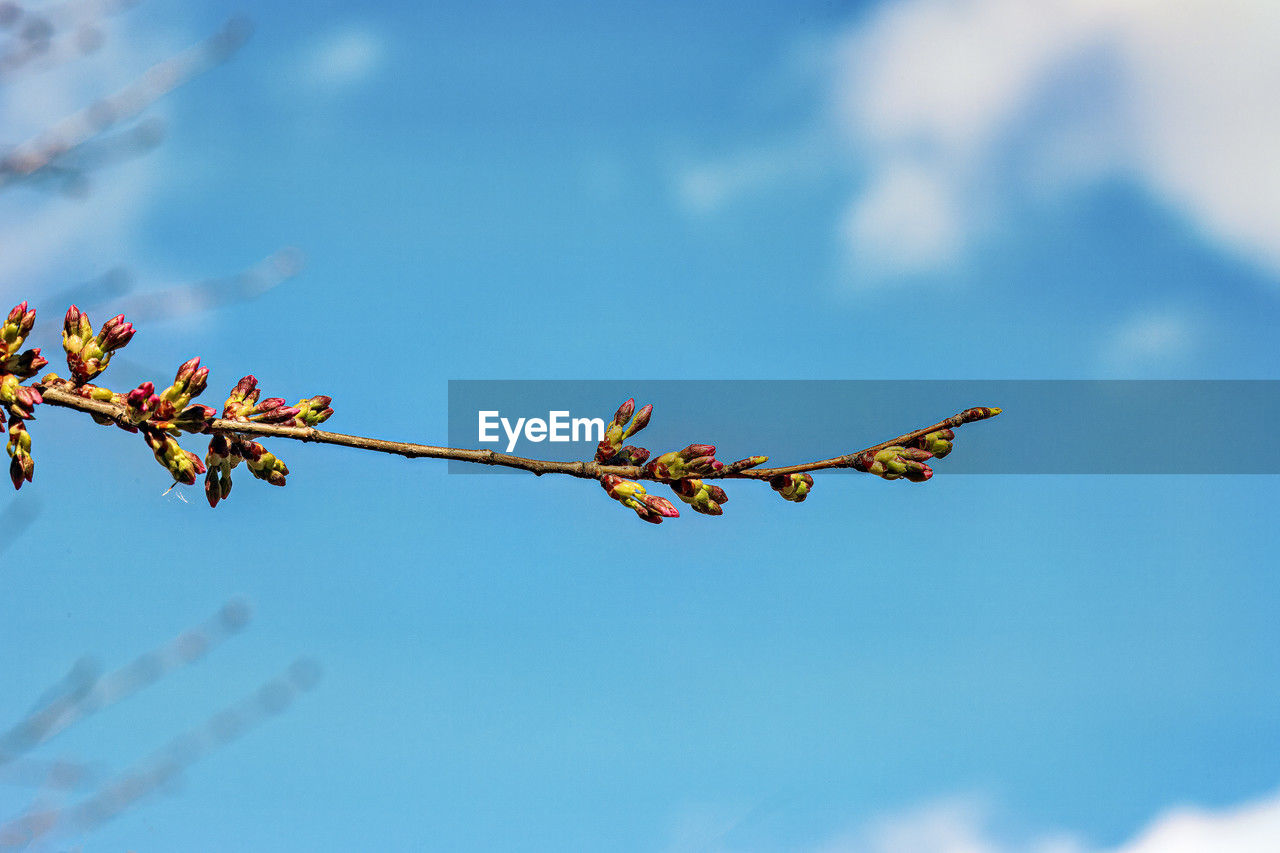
column 343, row 58
column 1150, row 338
column 953, row 825
column 708, row 185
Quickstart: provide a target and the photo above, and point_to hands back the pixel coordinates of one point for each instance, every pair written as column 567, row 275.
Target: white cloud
column 955, row 109
column 963, row 825
column 1179, row 97
column 343, row 58
column 910, row 216
column 1249, row 828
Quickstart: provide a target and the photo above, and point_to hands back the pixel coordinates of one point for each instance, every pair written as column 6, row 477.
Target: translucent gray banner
column 1048, row 426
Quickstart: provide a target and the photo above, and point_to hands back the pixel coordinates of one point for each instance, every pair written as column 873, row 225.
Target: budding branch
column 162, row 416
column 55, row 396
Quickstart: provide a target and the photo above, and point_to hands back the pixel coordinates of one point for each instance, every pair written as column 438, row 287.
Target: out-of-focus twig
column 57, row 774
column 162, row 767
column 82, row 692
column 45, row 36
column 195, row 297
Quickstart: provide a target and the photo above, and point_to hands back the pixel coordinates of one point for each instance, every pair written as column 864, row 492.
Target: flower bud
column 21, row 466
column 896, row 462
column 694, row 461
column 977, row 413
column 87, row 354
column 623, row 426
column 242, row 398
column 792, row 487
column 182, row 464
column 272, row 411
column 217, row 485
column 222, row 456
column 624, row 413
column 141, row 402
column 640, row 421
column 703, row 497
column 188, row 383
column 14, row 330
column 115, row 333
column 631, row 455
column 938, row 443
column 20, row 400
column 263, row 464
column 312, row 411
column 24, row 365
column 630, row 494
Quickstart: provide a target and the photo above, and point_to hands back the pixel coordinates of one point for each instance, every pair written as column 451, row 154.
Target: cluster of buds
column 182, row 464
column 626, row 423
column 243, row 405
column 228, row 451
column 792, row 487
column 13, row 334
column 896, row 462
column 20, row 401
column 694, row 461
column 171, row 410
column 89, row 354
column 631, row 494
column 164, row 416
column 703, row 497
column 682, row 470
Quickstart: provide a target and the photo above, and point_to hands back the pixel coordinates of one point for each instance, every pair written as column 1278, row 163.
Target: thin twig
column 57, row 396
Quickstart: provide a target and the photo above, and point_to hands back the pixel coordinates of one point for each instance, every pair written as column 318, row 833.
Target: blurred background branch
column 84, row 691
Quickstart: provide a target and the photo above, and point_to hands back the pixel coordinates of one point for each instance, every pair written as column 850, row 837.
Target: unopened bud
column 242, row 398
column 938, row 443
column 14, row 330
column 624, row 413
column 312, row 411
column 21, row 466
column 703, row 497
column 896, row 462
column 24, row 365
column 792, row 487
column 630, row 494
column 18, row 399
column 626, row 423
column 263, row 464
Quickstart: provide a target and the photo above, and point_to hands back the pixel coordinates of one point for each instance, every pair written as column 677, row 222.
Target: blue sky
column 909, row 189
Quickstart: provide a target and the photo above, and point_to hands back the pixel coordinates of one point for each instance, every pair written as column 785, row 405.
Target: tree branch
column 55, row 395
column 161, row 418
